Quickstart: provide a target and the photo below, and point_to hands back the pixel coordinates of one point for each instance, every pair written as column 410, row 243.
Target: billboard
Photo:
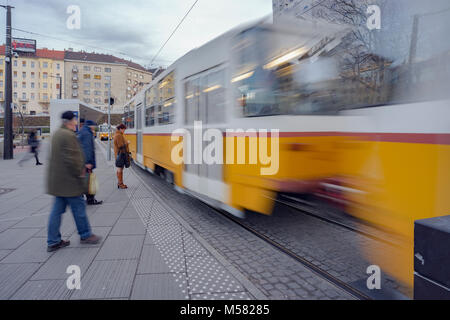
column 24, row 45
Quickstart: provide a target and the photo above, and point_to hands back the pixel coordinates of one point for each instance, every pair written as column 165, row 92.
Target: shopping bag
column 93, row 184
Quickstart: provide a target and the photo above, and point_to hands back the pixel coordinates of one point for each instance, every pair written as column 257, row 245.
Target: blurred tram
column 372, row 131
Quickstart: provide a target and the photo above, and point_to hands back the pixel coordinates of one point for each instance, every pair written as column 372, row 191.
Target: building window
column 15, row 84
column 87, row 76
column 24, row 85
column 108, row 78
column 45, row 96
column 97, row 85
column 87, row 92
column 1, row 62
column 15, row 74
column 106, row 93
column 106, row 85
column 15, row 63
column 97, row 100
column 58, row 66
column 97, row 69
column 87, row 100
column 32, row 96
column 24, row 96
column 45, row 85
column 32, row 75
column 32, row 64
column 45, row 65
column 15, row 95
column 86, row 68
column 107, row 69
column 129, row 81
column 45, row 75
column 32, row 85
column 141, row 76
column 24, row 75
column 87, row 84
column 97, row 93
column 1, row 83
column 1, row 73
column 1, row 94
column 24, row 63
column 97, row 77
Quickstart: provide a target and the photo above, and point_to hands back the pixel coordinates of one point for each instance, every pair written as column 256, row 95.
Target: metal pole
column 60, row 87
column 109, row 120
column 8, row 152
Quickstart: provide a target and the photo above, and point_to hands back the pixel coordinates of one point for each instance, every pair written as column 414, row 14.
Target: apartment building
column 35, row 79
column 89, row 76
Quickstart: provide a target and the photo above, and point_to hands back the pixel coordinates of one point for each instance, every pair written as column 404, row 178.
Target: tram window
column 215, row 97
column 166, row 106
column 130, row 120
column 192, row 101
column 150, row 116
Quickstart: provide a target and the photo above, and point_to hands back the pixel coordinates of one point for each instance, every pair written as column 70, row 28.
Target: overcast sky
column 135, row 27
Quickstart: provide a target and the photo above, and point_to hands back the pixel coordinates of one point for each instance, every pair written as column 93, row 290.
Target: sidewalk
column 147, row 251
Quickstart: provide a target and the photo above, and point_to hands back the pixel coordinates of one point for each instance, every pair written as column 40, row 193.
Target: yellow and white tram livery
column 375, row 128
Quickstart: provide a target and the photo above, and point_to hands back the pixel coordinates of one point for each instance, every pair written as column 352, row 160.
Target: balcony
column 74, row 86
column 75, row 78
column 22, row 99
column 75, row 94
column 75, row 70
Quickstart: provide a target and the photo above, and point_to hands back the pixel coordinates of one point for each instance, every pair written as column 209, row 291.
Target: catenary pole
column 8, row 152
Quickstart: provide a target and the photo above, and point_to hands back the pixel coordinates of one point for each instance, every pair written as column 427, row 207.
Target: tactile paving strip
column 182, row 253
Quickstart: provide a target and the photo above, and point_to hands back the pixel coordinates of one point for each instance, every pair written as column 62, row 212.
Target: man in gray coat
column 65, row 181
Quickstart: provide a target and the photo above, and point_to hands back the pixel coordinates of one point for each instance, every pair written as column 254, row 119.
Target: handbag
column 93, row 184
column 127, row 160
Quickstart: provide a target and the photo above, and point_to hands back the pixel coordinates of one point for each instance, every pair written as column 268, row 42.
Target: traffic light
column 111, row 101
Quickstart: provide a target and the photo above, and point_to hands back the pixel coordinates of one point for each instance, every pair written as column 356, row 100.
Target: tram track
column 357, row 294
column 333, row 280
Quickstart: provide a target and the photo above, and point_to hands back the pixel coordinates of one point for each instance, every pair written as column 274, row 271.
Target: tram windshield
column 345, row 64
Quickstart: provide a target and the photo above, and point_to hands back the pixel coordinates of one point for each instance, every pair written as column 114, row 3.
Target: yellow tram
column 377, row 133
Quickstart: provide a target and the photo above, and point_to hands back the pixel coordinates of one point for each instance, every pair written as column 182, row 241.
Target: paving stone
column 107, row 208
column 107, row 279
column 160, row 287
column 104, row 219
column 34, row 250
column 152, row 261
column 129, row 213
column 36, row 221
column 13, row 276
column 13, row 238
column 4, row 225
column 222, row 296
column 56, row 266
column 121, row 247
column 128, row 227
column 99, row 231
column 4, row 253
column 43, row 290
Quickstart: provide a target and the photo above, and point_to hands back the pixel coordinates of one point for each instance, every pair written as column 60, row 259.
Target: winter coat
column 66, row 165
column 86, row 138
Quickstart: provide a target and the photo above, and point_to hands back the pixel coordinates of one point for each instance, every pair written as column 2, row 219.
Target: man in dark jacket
column 86, row 138
column 66, row 181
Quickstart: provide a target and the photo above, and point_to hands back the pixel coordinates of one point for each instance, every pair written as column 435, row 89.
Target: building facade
column 36, row 79
column 89, row 76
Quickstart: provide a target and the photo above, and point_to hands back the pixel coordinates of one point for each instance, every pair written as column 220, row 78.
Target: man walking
column 86, row 138
column 65, row 181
